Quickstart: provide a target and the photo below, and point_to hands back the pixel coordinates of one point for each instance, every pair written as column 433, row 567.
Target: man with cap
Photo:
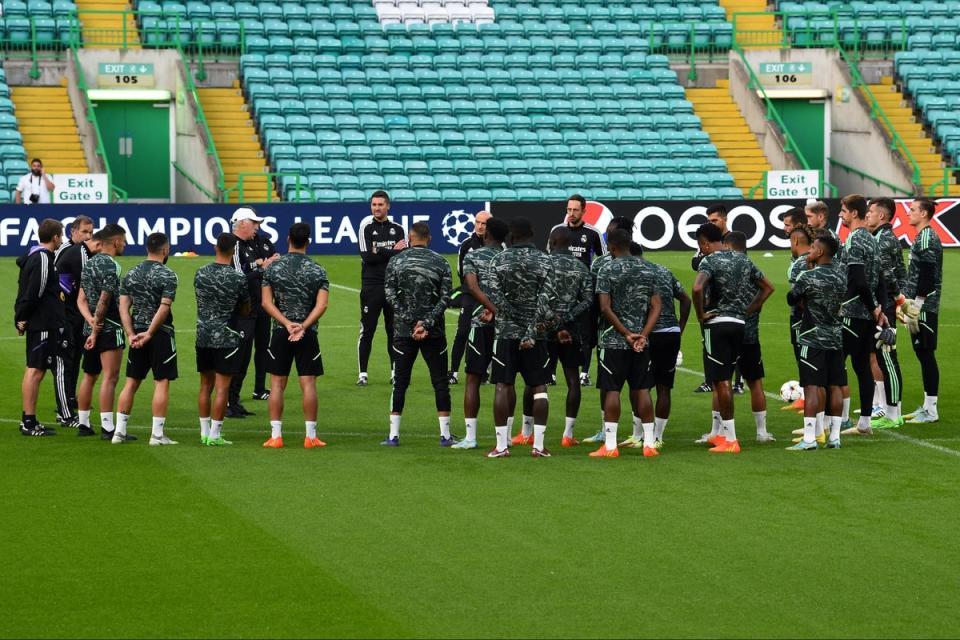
column 249, row 259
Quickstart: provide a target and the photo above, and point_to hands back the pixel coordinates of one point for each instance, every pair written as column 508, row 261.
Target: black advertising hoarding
column 671, row 224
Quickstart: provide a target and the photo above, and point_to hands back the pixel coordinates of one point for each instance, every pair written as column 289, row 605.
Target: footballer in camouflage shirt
column 723, row 302
column 98, row 302
column 521, row 287
column 222, row 298
column 146, row 293
column 295, row 292
column 819, row 291
column 630, row 304
column 924, row 288
column 418, row 285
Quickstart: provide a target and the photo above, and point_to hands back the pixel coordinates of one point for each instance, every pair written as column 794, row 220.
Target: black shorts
column 479, row 349
column 751, row 362
column 664, row 348
column 43, row 348
column 159, row 355
column 926, row 340
column 281, row 354
column 591, row 325
column 569, row 355
column 822, row 368
column 509, row 360
column 722, row 342
column 858, row 340
column 226, row 362
column 619, row 366
column 107, row 340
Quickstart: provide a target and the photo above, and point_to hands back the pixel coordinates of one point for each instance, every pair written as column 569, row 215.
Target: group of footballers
column 523, row 311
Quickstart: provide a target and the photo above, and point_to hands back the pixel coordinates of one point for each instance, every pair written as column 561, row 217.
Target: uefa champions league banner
column 664, row 224
column 195, row 227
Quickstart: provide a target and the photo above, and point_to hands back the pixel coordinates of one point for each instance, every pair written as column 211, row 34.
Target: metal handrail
column 193, row 181
column 114, row 190
column 204, row 125
column 867, row 176
column 945, row 183
column 268, row 174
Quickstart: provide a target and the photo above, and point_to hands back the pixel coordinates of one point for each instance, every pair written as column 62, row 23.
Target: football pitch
column 357, row 540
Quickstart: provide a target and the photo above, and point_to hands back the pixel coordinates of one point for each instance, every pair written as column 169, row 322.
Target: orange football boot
column 522, row 439
column 313, row 443
column 603, row 452
column 273, row 443
column 727, row 447
column 650, row 452
column 569, row 442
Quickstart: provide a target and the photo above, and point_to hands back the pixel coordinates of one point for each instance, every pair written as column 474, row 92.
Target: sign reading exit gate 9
column 118, row 74
column 80, row 188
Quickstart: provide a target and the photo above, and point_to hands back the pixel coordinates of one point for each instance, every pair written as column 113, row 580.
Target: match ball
column 791, row 391
column 457, row 227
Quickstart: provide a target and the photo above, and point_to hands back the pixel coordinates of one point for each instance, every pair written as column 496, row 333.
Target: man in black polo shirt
column 379, row 239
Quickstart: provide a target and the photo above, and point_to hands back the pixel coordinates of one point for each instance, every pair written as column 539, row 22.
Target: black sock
column 30, row 419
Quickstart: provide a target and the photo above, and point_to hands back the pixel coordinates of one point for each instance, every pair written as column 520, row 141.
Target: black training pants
column 373, row 301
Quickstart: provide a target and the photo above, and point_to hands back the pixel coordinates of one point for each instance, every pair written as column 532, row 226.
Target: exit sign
column 119, row 74
column 785, row 74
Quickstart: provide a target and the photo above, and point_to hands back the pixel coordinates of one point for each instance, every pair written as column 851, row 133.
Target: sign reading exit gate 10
column 131, row 75
column 785, row 74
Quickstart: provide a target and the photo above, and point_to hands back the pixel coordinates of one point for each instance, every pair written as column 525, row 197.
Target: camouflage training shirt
column 573, row 285
column 522, row 286
column 221, row 290
column 630, row 282
column 477, row 262
column 798, row 266
column 893, row 273
column 418, row 286
column 822, row 289
column 861, row 248
column 147, row 284
column 295, row 280
column 101, row 274
column 670, row 290
column 728, row 290
column 926, row 249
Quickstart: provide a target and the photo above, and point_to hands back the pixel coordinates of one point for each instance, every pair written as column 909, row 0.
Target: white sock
column 610, row 435
column 394, row 426
column 502, row 437
column 363, row 374
column 158, row 423
column 715, row 425
column 538, row 431
column 526, row 427
column 810, row 429
column 760, row 418
column 863, row 424
column 311, row 428
column 835, row 423
column 204, row 427
column 568, row 425
column 276, row 429
column 893, row 411
column 879, row 394
column 845, row 412
column 215, row 426
column 122, row 420
column 930, row 404
column 648, row 434
column 471, row 429
column 84, row 417
column 821, row 423
column 729, row 431
column 510, row 424
column 637, row 428
column 106, row 422
column 659, row 424
column 444, row 427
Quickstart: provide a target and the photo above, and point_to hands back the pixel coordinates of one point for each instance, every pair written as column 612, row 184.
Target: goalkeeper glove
column 909, row 314
column 886, row 338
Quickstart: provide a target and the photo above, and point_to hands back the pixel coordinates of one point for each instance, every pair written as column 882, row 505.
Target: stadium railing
column 942, row 187
column 201, row 121
column 270, row 176
column 866, row 176
column 116, row 193
column 199, row 187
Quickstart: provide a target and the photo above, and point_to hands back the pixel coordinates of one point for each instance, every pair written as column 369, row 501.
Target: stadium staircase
column 760, row 20
column 728, row 130
column 237, row 143
column 94, row 26
column 49, row 131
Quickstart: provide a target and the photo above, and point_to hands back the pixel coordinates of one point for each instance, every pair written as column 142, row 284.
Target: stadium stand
column 13, row 157
column 46, row 122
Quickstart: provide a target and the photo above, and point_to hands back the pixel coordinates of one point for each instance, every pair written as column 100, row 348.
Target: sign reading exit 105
column 132, row 75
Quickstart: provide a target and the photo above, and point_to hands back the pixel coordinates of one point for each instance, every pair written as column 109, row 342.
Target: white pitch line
column 921, row 443
column 694, row 372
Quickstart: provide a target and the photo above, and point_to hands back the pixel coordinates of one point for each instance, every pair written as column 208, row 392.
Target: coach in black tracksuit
column 69, row 263
column 379, row 239
column 463, row 298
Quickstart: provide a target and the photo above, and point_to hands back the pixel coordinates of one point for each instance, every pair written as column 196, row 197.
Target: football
column 791, row 391
column 457, row 227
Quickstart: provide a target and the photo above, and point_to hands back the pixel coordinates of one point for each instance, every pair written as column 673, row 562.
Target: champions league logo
column 457, row 227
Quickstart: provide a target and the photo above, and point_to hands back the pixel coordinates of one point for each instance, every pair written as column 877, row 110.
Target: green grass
column 355, row 540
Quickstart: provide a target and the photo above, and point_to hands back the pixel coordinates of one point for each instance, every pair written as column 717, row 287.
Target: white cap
column 245, row 213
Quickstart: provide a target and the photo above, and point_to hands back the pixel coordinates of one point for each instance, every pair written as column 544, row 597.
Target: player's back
column 823, row 289
column 521, row 284
column 101, row 273
column 670, row 291
column 147, row 284
column 295, row 280
column 418, row 280
column 571, row 281
column 733, row 277
column 219, row 289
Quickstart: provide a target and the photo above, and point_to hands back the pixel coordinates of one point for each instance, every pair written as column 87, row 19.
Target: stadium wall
column 667, row 224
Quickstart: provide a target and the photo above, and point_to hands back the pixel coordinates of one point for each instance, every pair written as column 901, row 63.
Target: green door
column 805, row 121
column 136, row 137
